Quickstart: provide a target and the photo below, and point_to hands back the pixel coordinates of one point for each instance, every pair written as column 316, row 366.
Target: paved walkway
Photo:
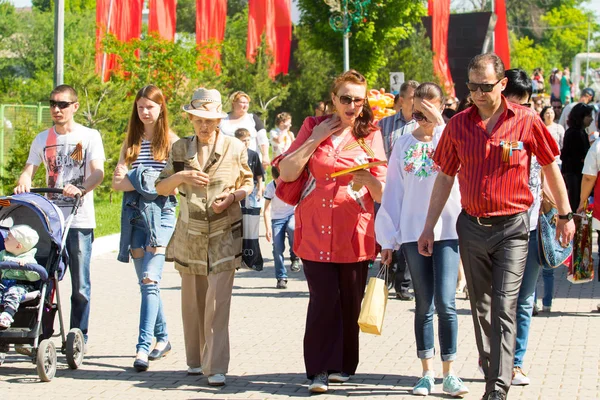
column 563, row 359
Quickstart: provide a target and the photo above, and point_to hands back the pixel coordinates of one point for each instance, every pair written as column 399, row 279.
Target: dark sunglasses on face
column 485, row 87
column 61, row 104
column 419, row 116
column 348, row 99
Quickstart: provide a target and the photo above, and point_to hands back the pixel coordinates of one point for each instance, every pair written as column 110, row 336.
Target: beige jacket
column 205, row 242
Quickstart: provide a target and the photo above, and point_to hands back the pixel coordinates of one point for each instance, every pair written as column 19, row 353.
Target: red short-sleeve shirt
column 490, row 186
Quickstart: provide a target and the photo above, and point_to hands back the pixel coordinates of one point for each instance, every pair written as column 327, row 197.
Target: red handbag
column 291, row 192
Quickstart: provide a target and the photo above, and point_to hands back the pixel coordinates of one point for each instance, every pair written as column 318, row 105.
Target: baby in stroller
column 19, row 247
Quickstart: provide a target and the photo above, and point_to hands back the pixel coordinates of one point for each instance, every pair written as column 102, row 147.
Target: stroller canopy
column 49, row 214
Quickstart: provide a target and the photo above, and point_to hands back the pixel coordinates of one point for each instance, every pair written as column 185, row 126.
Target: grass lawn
column 108, row 215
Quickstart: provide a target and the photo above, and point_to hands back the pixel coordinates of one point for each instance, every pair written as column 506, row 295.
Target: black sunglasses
column 348, row 99
column 61, row 104
column 485, row 87
column 419, row 116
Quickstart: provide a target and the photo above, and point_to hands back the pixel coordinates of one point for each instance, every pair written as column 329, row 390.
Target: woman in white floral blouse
column 399, row 222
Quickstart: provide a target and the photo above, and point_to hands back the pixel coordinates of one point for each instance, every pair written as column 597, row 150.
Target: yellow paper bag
column 372, row 311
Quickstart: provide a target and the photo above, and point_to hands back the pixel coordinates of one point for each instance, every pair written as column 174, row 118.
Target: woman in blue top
column 147, row 220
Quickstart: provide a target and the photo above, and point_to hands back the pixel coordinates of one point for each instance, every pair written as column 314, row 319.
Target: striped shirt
column 146, row 158
column 490, row 186
column 392, row 128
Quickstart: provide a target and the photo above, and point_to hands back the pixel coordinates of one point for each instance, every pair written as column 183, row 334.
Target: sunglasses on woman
column 485, row 87
column 60, row 104
column 358, row 101
column 419, row 116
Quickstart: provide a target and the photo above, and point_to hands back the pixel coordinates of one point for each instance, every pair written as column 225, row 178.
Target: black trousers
column 401, row 272
column 494, row 260
column 331, row 336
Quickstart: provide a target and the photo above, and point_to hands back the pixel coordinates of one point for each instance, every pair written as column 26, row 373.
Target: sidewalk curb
column 105, row 244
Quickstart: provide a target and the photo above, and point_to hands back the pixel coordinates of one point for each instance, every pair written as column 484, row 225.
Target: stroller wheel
column 46, row 360
column 75, row 348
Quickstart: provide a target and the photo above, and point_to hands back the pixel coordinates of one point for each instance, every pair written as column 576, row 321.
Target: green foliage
column 73, row 6
column 387, row 22
column 413, row 56
column 8, row 19
column 186, row 16
column 17, row 157
column 568, row 31
column 527, row 55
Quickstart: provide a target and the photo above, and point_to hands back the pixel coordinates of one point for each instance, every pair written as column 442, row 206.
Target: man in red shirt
column 489, row 147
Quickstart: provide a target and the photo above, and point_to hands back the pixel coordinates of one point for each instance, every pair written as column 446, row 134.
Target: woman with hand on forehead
column 334, row 234
column 412, row 174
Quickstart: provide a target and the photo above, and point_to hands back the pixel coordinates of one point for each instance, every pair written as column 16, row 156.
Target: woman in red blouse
column 334, row 225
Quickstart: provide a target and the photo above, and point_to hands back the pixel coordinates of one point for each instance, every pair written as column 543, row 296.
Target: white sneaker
column 547, row 308
column 194, row 371
column 216, row 380
column 519, row 378
column 339, row 377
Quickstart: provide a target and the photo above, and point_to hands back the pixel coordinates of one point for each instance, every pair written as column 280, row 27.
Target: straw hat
column 206, row 103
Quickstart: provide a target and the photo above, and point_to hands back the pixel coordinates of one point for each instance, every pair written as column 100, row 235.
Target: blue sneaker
column 424, row 386
column 454, row 386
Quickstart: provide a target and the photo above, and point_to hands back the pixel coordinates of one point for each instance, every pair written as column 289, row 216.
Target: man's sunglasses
column 485, row 87
column 61, row 104
column 358, row 101
column 419, row 116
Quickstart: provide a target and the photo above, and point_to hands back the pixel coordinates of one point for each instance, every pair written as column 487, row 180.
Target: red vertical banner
column 501, row 43
column 163, row 18
column 439, row 10
column 272, row 17
column 283, row 35
column 211, row 17
column 125, row 23
column 258, row 10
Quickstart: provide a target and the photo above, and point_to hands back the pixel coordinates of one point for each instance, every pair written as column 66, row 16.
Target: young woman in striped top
column 147, row 222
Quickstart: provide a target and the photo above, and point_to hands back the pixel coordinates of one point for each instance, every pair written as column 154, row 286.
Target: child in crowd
column 251, row 206
column 19, row 247
column 281, row 136
column 279, row 220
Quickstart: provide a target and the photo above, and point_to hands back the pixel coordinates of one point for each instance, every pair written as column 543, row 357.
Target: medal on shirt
column 507, row 149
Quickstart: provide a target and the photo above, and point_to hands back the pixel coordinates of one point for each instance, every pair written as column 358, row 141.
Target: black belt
column 490, row 221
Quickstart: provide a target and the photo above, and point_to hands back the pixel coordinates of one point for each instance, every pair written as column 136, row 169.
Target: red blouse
column 331, row 226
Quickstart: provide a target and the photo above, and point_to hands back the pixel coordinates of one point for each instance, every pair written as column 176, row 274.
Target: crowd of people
column 448, row 191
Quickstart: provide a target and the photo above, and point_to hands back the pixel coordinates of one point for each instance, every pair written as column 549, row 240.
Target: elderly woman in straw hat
column 211, row 172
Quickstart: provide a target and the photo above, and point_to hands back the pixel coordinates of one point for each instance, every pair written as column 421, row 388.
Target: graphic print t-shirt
column 67, row 160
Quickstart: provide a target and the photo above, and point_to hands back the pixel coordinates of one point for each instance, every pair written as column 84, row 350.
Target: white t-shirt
column 258, row 133
column 591, row 166
column 67, row 160
column 279, row 208
column 410, row 178
column 535, row 185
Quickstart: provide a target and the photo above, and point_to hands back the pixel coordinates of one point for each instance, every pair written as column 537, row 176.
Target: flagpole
column 104, row 55
column 59, row 42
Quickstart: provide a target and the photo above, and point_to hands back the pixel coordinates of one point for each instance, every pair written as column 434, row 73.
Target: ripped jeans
column 152, row 317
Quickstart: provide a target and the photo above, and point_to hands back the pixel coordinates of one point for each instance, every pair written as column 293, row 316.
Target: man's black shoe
column 404, row 296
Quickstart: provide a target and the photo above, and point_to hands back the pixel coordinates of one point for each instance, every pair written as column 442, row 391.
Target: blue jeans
column 548, row 278
column 434, row 281
column 280, row 228
column 153, row 323
column 526, row 297
column 79, row 247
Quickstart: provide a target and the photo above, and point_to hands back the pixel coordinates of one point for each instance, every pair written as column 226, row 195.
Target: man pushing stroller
column 19, row 247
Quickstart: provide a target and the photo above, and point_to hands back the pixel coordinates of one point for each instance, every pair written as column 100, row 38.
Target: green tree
column 186, row 16
column 70, row 5
column 413, row 56
column 387, row 21
column 567, row 30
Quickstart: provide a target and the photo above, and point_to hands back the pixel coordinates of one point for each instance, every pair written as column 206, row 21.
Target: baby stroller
column 34, row 321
